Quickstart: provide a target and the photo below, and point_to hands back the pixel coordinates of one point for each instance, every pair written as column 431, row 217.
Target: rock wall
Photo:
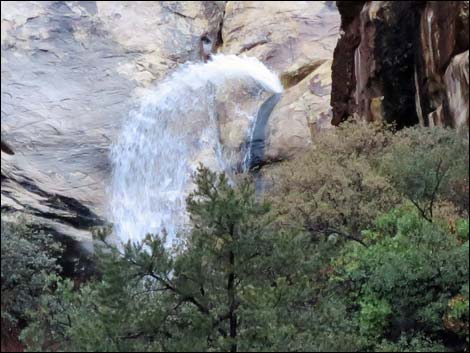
column 297, row 40
column 72, row 70
column 405, row 62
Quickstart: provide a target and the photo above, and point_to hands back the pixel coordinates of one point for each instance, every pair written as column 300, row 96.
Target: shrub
column 236, row 283
column 27, row 257
column 411, row 342
column 411, row 269
column 334, row 188
column 426, row 165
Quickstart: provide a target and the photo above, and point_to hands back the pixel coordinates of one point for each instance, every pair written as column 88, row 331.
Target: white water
column 246, row 159
column 162, row 141
column 419, row 110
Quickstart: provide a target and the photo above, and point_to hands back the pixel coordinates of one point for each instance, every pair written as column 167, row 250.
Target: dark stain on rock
column 396, row 42
column 404, row 49
column 81, row 217
column 343, row 80
column 257, row 143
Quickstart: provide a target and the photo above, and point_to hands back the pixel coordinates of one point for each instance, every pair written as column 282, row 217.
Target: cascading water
column 162, row 141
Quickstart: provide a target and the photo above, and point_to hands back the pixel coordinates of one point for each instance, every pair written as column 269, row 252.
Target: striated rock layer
column 405, row 62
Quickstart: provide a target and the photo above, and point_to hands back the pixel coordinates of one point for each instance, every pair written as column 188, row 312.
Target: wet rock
column 391, row 61
column 377, row 51
column 342, row 100
column 237, row 105
column 443, row 34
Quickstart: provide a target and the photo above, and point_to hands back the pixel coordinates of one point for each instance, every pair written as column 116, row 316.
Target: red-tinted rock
column 391, row 60
column 344, row 81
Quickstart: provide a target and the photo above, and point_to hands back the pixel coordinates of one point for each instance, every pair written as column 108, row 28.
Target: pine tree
column 234, row 283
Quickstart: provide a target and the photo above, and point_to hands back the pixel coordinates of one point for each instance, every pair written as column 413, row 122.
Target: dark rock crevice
column 6, row 148
column 210, row 41
column 79, row 216
column 397, row 50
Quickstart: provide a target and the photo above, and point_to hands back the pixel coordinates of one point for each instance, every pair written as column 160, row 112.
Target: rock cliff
column 405, row 61
column 72, row 70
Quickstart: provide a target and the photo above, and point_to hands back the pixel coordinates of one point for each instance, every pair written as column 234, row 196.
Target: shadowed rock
column 7, row 149
column 394, row 59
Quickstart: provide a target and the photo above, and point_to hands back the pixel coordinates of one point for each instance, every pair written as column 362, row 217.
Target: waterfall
column 163, row 140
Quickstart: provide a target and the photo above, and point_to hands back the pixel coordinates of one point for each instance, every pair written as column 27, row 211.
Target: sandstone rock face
column 296, row 39
column 290, row 37
column 72, row 70
column 392, row 58
column 301, row 113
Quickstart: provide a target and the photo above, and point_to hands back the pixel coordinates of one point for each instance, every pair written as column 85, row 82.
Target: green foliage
column 235, row 284
column 373, row 315
column 411, row 342
column 425, row 164
column 360, row 245
column 411, row 269
column 462, row 229
column 28, row 256
column 334, row 188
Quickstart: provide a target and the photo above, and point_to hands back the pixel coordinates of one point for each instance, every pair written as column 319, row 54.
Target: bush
column 361, row 245
column 411, row 342
column 411, row 269
column 27, row 256
column 334, row 188
column 426, row 165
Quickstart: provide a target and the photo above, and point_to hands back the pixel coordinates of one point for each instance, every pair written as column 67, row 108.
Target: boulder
column 302, row 111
